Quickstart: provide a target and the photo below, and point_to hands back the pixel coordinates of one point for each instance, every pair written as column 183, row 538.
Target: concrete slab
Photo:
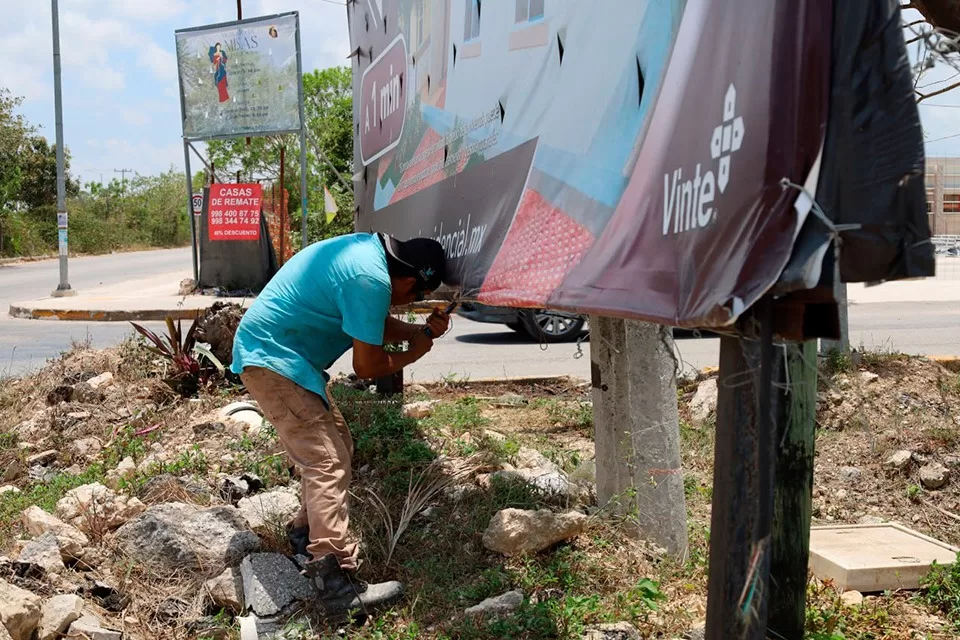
column 875, row 557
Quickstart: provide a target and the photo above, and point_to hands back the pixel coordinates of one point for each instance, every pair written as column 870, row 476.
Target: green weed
column 914, row 492
column 44, row 494
column 941, row 590
column 459, row 417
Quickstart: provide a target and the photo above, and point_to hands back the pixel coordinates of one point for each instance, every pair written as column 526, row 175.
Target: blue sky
column 121, row 106
column 120, row 95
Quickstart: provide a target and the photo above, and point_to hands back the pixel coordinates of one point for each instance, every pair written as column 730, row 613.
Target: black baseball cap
column 421, row 258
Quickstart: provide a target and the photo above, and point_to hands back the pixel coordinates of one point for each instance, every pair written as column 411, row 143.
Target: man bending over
column 332, row 296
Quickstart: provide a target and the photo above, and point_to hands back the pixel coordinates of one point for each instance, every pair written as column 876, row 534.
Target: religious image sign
column 240, row 78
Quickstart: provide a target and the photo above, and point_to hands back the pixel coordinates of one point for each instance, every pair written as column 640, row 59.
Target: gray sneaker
column 340, row 593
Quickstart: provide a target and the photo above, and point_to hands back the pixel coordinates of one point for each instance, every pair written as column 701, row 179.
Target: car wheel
column 552, row 326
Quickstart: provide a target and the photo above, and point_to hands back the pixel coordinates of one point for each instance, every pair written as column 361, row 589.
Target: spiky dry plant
column 437, row 476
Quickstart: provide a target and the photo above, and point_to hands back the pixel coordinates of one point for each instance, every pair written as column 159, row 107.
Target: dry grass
column 425, row 497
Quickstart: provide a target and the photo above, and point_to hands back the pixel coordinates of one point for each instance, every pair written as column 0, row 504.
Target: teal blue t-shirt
column 313, row 308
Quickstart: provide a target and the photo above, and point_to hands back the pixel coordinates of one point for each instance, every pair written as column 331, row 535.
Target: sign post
column 241, row 79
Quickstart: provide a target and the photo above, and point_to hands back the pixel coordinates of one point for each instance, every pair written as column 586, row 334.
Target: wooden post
column 390, row 385
column 283, row 209
column 738, row 595
column 793, row 495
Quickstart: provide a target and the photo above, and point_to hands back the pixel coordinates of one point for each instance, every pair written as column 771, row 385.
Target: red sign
column 383, row 101
column 234, row 212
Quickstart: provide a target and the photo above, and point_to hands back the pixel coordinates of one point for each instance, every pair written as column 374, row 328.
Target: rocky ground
column 130, row 511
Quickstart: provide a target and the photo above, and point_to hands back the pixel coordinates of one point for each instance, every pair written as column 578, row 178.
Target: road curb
column 950, row 363
column 98, row 315
column 524, row 380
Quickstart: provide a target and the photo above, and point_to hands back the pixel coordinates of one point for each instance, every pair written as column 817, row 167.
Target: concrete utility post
column 63, row 289
column 637, row 428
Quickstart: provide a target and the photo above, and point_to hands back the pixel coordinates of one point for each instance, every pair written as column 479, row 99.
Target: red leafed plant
column 189, row 373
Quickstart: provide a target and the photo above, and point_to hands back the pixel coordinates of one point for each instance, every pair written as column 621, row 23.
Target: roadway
column 470, row 350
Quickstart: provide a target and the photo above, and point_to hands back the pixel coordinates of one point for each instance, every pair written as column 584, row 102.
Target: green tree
column 14, row 131
column 328, row 109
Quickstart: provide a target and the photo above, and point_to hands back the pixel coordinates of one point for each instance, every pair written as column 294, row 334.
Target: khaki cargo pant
column 318, row 441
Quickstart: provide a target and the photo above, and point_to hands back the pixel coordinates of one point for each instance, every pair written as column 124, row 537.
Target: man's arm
column 399, row 331
column 373, row 361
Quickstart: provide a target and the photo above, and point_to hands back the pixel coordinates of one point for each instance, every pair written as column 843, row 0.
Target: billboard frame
column 302, row 131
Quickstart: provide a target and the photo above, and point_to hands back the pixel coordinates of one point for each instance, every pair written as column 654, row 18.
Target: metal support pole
column 304, row 241
column 283, row 208
column 192, row 218
column 303, row 148
column 63, row 289
column 323, row 156
column 207, row 165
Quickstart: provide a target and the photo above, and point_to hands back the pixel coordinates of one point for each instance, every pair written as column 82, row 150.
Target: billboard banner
column 234, row 211
column 240, row 78
column 633, row 158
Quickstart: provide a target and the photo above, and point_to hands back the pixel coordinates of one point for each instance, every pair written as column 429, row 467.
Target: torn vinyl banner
column 626, row 158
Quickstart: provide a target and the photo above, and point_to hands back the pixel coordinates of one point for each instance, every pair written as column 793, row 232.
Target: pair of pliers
column 448, row 311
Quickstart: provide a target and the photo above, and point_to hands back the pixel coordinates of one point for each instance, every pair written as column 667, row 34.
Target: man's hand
column 420, row 345
column 438, row 323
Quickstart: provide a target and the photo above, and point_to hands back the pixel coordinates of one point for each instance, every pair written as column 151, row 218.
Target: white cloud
column 161, row 62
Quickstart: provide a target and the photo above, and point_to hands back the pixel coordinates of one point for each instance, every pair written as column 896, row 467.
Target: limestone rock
column 72, row 541
column 9, row 488
column 86, row 447
column 101, row 381
column 934, row 475
column 516, row 531
column 44, row 552
column 552, row 482
column 254, row 628
column 125, row 471
column 704, row 401
column 57, row 614
column 612, row 631
column 271, row 581
column 84, row 393
column 502, row 605
column 850, row 474
column 94, row 507
column 697, row 632
column 269, row 510
column 851, row 598
column 42, row 459
column 898, row 461
column 419, row 410
column 175, row 535
column 867, row 377
column 226, row 590
column 89, row 627
column 527, row 458
column 19, row 611
column 13, row 471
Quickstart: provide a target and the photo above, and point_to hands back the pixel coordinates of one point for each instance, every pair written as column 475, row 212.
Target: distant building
column 943, row 195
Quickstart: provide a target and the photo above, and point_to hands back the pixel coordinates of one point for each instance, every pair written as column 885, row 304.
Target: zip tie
column 835, row 229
